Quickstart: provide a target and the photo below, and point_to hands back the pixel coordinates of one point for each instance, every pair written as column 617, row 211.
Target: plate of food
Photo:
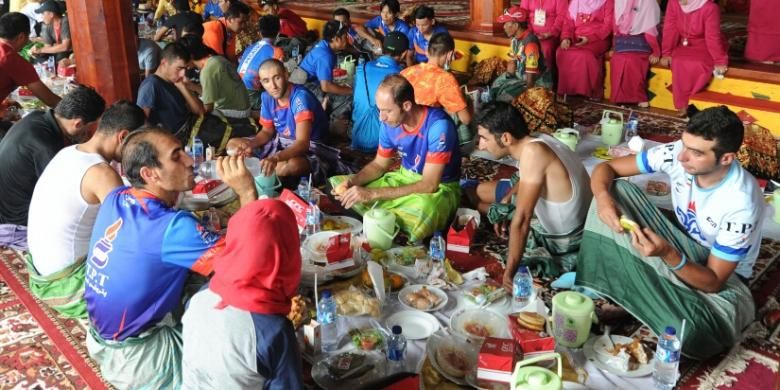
column 623, row 356
column 416, row 325
column 350, row 369
column 341, row 224
column 366, row 339
column 485, row 293
column 452, row 355
column 406, row 255
column 422, row 297
column 477, row 324
column 395, row 280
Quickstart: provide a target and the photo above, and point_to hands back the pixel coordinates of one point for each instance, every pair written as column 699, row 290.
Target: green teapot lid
column 377, row 213
column 537, row 378
column 573, row 302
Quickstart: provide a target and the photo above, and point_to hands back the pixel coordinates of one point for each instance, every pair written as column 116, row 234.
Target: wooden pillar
column 104, row 43
column 484, row 14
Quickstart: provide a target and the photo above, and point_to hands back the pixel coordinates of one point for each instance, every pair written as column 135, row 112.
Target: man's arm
column 429, row 183
column 161, row 33
column 331, row 87
column 233, row 172
column 464, row 116
column 300, row 146
column 41, row 91
column 600, row 183
column 55, row 48
column 194, row 104
column 98, row 181
column 532, row 179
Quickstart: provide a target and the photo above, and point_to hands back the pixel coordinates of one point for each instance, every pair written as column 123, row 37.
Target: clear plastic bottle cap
column 670, row 331
column 397, row 329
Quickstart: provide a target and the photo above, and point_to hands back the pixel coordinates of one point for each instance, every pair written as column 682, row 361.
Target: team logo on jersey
column 103, row 247
column 417, row 160
column 442, row 139
column 688, row 220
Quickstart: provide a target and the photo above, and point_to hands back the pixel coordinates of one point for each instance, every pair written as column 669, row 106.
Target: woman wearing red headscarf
column 635, row 49
column 236, row 333
column 545, row 19
column 584, row 40
column 763, row 31
column 693, row 46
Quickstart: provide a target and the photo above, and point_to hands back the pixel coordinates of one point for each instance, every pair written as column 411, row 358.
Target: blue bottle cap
column 325, row 294
column 523, row 269
column 670, row 331
column 397, row 329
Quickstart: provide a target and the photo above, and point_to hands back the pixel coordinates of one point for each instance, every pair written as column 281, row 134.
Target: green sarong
column 62, row 291
column 150, row 361
column 418, row 215
column 647, row 289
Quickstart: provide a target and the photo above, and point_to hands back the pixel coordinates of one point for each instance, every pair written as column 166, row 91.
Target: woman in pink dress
column 545, row 19
column 763, row 42
column 636, row 48
column 584, row 41
column 693, row 46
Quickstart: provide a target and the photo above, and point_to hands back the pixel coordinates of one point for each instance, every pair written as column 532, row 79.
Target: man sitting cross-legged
column 73, row 184
column 695, row 268
column 552, row 194
column 141, row 252
column 424, row 194
column 294, row 129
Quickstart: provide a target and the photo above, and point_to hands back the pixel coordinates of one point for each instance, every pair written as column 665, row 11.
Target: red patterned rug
column 38, row 349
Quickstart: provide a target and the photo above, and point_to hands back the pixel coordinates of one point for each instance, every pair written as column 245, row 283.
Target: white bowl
column 496, row 324
column 415, row 325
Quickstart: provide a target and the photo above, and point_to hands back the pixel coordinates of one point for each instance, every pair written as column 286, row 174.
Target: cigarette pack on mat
column 297, row 205
column 531, row 342
column 496, row 360
column 312, row 337
column 462, row 230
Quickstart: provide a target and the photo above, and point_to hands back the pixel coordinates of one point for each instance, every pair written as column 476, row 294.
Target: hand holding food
column 628, row 225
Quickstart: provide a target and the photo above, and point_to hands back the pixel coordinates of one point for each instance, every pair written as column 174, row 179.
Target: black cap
column 395, row 43
column 49, row 5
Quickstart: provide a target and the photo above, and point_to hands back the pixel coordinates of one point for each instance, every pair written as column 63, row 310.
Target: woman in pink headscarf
column 635, row 49
column 584, row 40
column 236, row 333
column 545, row 19
column 763, row 31
column 693, row 46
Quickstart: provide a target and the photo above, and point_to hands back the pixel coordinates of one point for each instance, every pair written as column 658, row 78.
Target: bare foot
column 643, row 104
column 682, row 113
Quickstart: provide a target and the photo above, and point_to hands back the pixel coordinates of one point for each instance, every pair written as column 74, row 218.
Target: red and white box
column 532, row 343
column 462, row 231
column 496, row 360
column 297, row 205
column 312, row 338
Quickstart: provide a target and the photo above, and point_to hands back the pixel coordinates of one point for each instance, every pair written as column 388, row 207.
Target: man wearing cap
column 55, row 33
column 526, row 67
column 365, row 128
column 436, row 87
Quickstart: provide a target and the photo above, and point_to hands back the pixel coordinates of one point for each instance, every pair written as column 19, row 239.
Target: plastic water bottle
column 632, row 126
column 208, row 169
column 396, row 348
column 198, row 153
column 327, row 316
column 667, row 360
column 295, row 53
column 51, row 67
column 436, row 249
column 312, row 219
column 522, row 287
column 303, row 189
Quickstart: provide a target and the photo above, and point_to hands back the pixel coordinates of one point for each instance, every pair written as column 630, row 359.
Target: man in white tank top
column 553, row 188
column 64, row 205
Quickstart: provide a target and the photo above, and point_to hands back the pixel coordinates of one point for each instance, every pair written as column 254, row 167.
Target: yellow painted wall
column 767, row 119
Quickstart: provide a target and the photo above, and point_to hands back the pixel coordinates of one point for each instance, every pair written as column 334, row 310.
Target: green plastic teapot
column 611, row 127
column 568, row 137
column 380, row 228
column 537, row 378
column 572, row 316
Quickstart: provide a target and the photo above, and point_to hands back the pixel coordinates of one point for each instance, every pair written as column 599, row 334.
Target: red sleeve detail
column 278, row 53
column 266, row 122
column 387, row 153
column 204, row 265
column 304, row 116
column 438, row 157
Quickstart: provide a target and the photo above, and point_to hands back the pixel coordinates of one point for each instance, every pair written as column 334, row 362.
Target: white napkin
column 377, row 278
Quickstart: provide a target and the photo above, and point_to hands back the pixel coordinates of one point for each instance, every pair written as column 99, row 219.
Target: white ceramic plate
column 315, row 247
column 496, row 324
column 355, row 227
column 472, row 381
column 595, row 349
column 416, row 325
column 443, row 338
column 417, row 287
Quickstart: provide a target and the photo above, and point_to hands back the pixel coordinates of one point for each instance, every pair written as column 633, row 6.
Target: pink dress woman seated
column 693, row 43
column 545, row 19
column 636, row 48
column 763, row 42
column 584, row 40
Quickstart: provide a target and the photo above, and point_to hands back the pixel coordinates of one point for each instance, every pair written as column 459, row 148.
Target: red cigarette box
column 496, row 360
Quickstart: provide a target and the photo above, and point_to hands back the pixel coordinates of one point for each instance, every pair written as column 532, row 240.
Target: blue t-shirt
column 303, row 106
column 140, row 254
column 419, row 44
column 166, row 104
column 365, row 117
column 319, row 62
column 376, row 25
column 211, row 10
column 434, row 141
column 253, row 57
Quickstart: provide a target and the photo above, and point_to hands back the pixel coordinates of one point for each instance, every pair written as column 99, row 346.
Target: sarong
column 418, row 215
column 150, row 361
column 63, row 291
column 652, row 293
column 324, row 160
